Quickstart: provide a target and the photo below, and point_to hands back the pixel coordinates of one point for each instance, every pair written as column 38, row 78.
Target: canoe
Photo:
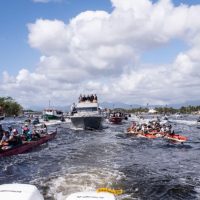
column 176, row 137
column 28, row 145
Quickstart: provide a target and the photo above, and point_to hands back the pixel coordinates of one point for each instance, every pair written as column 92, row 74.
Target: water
column 86, row 160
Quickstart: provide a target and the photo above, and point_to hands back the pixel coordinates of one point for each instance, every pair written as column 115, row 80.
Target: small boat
column 17, row 191
column 176, row 137
column 115, row 119
column 91, row 196
column 27, row 145
column 51, row 114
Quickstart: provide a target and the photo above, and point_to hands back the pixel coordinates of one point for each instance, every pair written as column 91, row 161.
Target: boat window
column 91, row 109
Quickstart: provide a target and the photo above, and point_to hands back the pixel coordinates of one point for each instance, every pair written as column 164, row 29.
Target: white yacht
column 87, row 115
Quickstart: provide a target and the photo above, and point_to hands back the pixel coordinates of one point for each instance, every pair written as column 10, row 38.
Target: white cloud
column 100, row 52
column 46, row 1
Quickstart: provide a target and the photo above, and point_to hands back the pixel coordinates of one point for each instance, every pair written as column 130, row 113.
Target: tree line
column 9, row 107
column 164, row 110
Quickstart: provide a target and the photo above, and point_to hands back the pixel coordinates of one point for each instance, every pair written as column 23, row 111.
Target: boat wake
column 82, row 179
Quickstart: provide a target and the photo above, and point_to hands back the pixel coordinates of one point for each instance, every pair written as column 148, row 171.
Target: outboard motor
column 19, row 192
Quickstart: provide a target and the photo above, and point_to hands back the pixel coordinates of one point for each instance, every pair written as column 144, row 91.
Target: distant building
column 152, row 111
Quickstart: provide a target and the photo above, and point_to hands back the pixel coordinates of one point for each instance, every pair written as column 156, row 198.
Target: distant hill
column 187, row 103
column 118, row 105
column 121, row 105
column 129, row 106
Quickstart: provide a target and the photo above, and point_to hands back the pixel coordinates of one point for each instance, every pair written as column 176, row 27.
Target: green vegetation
column 9, row 106
column 164, row 110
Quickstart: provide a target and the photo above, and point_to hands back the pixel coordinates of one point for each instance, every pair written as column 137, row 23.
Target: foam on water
column 186, row 122
column 86, row 160
column 83, row 179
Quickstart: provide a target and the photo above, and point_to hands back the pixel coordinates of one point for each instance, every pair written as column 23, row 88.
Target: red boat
column 115, row 120
column 27, row 145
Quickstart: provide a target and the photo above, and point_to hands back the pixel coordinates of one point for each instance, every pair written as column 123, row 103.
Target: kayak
column 176, row 137
column 17, row 191
column 27, row 145
column 91, row 196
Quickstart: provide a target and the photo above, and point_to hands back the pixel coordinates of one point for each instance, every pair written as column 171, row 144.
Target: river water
column 78, row 160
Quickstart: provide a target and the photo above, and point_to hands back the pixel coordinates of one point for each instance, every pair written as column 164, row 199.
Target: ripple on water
column 80, row 160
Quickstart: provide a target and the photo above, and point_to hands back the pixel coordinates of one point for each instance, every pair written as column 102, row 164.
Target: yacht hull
column 87, row 122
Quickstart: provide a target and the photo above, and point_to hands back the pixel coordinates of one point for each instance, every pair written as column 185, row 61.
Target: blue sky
column 14, row 17
column 117, row 56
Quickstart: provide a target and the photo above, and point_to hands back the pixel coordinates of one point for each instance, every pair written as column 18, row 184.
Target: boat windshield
column 90, row 109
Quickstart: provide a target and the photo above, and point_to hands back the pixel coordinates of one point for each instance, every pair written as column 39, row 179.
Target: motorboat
column 49, row 114
column 18, row 191
column 115, row 119
column 87, row 115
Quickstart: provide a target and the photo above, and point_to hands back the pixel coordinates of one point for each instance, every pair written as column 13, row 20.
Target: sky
column 130, row 51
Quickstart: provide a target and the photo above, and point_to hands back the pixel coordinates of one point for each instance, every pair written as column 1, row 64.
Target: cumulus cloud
column 100, row 52
column 46, row 1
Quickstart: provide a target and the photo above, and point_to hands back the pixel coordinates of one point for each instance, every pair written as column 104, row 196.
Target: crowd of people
column 152, row 127
column 90, row 98
column 12, row 137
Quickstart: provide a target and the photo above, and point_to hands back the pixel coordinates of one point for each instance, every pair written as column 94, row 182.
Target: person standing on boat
column 92, row 98
column 95, row 98
column 80, row 98
column 73, row 109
